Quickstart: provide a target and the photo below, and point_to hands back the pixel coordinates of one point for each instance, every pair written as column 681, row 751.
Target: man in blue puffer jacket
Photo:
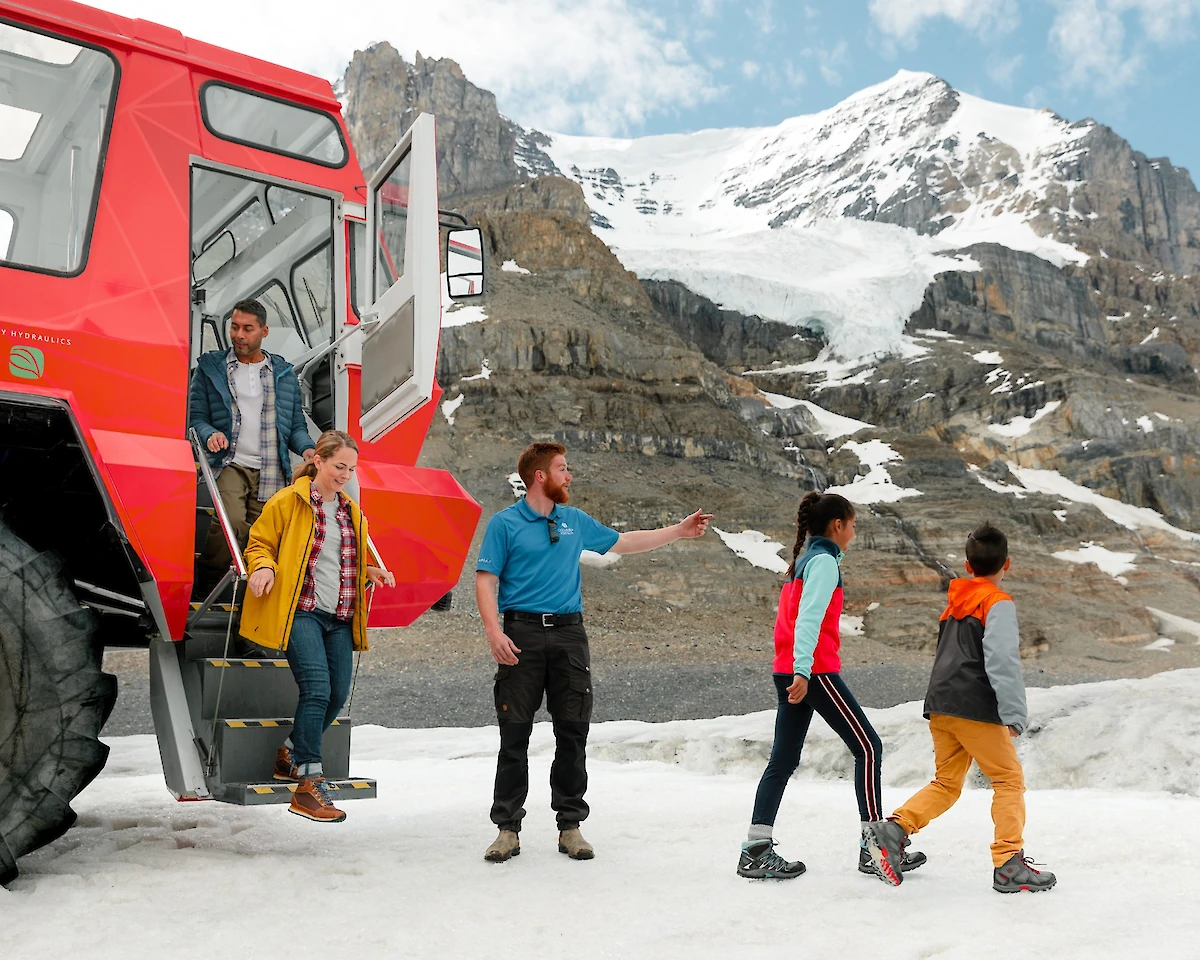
column 244, row 404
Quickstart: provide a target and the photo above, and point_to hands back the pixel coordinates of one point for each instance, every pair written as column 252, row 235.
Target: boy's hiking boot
column 759, row 861
column 910, row 861
column 571, row 843
column 886, row 840
column 285, row 769
column 504, row 847
column 311, row 799
column 1019, row 873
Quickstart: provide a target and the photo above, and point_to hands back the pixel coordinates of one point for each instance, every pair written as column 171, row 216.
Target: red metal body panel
column 116, row 337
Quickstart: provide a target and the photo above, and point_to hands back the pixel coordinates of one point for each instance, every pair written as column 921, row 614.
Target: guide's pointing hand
column 695, row 525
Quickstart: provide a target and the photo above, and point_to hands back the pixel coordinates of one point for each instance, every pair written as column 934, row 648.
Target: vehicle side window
column 54, row 123
column 312, row 288
column 6, row 231
column 274, row 125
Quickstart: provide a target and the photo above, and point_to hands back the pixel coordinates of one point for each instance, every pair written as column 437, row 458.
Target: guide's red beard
column 558, row 493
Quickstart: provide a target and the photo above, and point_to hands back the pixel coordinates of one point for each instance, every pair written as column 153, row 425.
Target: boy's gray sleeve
column 1002, row 660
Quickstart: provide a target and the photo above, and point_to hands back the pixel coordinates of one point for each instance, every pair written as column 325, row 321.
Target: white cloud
column 620, row 66
column 828, row 62
column 750, row 69
column 1093, row 42
column 763, row 15
column 1003, row 69
column 904, row 19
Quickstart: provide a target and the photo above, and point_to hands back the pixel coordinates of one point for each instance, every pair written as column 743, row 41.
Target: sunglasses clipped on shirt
column 553, row 527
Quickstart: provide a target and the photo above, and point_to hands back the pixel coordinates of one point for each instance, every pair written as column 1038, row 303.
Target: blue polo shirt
column 537, row 576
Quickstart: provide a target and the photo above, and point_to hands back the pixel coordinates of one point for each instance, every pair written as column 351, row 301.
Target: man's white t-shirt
column 247, row 384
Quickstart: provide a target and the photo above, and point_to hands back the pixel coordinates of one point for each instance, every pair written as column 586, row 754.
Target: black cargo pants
column 553, row 661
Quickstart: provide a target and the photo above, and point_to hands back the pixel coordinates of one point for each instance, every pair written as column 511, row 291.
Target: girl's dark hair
column 817, row 511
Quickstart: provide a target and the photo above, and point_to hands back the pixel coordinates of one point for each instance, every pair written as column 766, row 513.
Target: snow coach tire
column 54, row 699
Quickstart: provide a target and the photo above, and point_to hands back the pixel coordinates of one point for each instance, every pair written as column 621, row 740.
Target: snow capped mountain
column 837, row 221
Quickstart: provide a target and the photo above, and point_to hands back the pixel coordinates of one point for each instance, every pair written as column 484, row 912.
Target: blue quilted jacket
column 210, row 407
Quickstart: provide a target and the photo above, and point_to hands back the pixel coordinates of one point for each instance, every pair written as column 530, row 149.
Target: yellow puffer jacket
column 281, row 540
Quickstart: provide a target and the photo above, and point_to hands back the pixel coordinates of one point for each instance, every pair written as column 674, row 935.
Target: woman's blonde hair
column 328, row 444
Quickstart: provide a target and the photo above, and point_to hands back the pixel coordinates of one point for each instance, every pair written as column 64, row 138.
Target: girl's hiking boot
column 504, row 847
column 571, row 843
column 886, row 840
column 759, row 861
column 1019, row 873
column 909, row 862
column 285, row 769
column 311, row 799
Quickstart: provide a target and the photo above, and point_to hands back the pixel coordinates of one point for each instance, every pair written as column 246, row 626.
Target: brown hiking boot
column 285, row 769
column 311, row 799
column 506, row 845
column 571, row 843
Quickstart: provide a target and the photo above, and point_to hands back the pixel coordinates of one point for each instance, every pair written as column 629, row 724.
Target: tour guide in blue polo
column 530, row 552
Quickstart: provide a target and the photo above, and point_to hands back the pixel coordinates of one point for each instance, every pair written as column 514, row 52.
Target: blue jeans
column 320, row 652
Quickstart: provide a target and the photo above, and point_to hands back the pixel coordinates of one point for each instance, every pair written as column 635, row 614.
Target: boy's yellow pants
column 956, row 742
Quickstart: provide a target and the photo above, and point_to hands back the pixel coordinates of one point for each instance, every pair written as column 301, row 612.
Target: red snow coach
column 149, row 182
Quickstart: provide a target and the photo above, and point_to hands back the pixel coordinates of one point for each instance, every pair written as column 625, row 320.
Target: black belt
column 545, row 619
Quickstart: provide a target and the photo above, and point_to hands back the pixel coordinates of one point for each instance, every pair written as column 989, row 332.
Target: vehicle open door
column 400, row 284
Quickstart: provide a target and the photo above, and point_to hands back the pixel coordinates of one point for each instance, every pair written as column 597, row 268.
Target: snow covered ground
column 1113, row 770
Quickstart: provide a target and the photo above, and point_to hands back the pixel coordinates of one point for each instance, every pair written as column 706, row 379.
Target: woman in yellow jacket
column 307, row 557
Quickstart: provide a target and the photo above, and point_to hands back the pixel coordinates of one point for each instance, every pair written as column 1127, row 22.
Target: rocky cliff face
column 669, row 401
column 478, row 149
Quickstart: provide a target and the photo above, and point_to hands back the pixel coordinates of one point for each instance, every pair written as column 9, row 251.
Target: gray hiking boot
column 1019, row 873
column 886, row 840
column 759, row 861
column 571, row 843
column 504, row 847
column 910, row 861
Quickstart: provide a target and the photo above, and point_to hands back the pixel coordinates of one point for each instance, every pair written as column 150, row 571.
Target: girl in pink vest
column 807, row 681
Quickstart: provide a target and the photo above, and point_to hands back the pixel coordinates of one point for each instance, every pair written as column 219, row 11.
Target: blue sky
column 631, row 67
column 1130, row 65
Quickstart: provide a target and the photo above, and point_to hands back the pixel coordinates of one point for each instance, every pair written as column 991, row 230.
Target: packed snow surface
column 830, row 425
column 1020, row 426
column 876, row 485
column 450, row 408
column 143, row 877
column 511, row 266
column 755, row 548
column 1112, row 562
column 792, row 222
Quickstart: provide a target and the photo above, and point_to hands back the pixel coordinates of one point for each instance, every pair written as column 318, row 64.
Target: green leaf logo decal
column 28, row 363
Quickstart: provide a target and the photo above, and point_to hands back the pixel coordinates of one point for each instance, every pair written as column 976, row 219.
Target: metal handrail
column 235, row 553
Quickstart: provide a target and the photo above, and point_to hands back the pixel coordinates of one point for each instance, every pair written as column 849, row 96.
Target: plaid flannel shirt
column 271, row 477
column 348, row 590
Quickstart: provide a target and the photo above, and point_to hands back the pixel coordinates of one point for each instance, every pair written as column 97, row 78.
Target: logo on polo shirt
column 565, row 529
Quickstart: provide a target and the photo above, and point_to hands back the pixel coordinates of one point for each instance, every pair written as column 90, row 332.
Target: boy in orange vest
column 975, row 706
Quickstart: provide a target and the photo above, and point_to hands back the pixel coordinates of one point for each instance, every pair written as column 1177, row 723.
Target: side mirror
column 464, row 262
column 213, row 257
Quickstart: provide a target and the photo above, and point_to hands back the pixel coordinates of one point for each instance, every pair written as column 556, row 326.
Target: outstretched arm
column 640, row 541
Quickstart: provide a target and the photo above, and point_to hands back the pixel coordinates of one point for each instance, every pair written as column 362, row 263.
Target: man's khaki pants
column 238, row 487
column 956, row 742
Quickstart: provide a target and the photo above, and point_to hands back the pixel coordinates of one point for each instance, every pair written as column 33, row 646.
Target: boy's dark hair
column 816, row 512
column 254, row 308
column 987, row 549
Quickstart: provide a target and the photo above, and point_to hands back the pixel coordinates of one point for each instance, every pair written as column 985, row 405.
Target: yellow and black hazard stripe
column 281, row 722
column 218, row 607
column 278, row 789
column 249, row 663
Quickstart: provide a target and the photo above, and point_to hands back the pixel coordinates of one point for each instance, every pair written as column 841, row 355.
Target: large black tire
column 53, row 700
